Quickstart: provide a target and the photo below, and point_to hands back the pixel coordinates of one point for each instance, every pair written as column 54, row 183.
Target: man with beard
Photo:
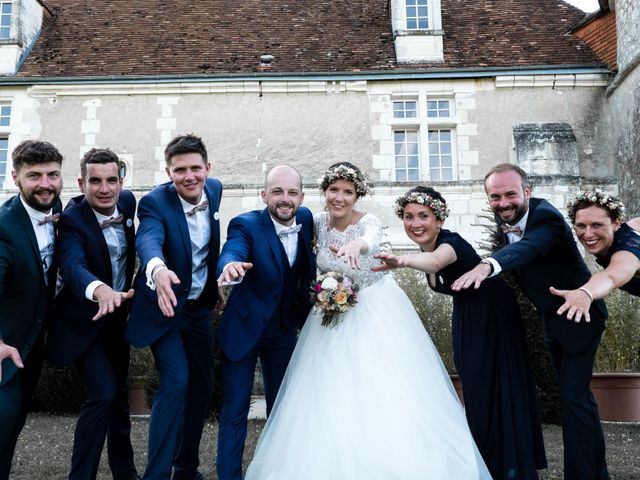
column 541, row 251
column 27, row 283
column 269, row 253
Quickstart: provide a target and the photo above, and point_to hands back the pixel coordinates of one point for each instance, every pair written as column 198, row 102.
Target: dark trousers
column 584, row 448
column 184, row 360
column 104, row 368
column 274, row 350
column 15, row 403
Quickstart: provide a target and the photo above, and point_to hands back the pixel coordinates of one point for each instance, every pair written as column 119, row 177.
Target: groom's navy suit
column 546, row 256
column 182, row 345
column 25, row 301
column 261, row 319
column 98, row 348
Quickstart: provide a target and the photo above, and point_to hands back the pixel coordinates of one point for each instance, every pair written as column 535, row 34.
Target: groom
column 541, row 252
column 269, row 252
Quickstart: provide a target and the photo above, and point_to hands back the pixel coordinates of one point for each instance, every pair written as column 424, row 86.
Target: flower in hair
column 595, row 197
column 342, row 172
column 438, row 206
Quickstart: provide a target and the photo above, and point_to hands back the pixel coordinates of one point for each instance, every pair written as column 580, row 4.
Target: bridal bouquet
column 333, row 293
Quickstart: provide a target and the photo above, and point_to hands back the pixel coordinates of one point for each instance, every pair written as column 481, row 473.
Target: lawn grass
column 44, row 449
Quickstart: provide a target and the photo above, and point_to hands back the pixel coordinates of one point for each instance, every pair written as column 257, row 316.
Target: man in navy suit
column 269, row 252
column 96, row 257
column 541, row 251
column 178, row 242
column 27, row 283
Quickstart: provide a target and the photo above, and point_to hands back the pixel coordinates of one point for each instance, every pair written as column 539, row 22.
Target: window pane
column 398, row 136
column 5, row 21
column 412, row 149
column 412, row 136
column 6, row 7
column 401, row 175
column 401, row 163
column 432, row 105
column 401, row 149
column 446, row 174
column 412, row 162
column 445, row 161
column 414, row 175
column 445, row 148
column 411, row 23
column 435, row 174
column 433, row 136
column 4, row 32
column 445, row 136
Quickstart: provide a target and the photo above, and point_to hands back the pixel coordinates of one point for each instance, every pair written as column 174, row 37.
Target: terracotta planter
column 617, row 395
column 138, row 399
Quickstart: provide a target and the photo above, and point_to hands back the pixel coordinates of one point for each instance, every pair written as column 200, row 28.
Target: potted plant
column 141, row 370
column 616, row 383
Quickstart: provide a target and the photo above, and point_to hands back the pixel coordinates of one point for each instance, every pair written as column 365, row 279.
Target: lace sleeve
column 371, row 232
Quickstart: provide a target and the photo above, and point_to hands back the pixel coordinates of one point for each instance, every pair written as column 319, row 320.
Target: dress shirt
column 199, row 226
column 116, row 241
column 512, row 238
column 45, row 234
column 289, row 242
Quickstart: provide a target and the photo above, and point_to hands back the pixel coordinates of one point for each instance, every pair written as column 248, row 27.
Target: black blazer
column 83, row 257
column 546, row 256
column 25, row 298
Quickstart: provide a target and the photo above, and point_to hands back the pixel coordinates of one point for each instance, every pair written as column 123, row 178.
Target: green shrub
column 620, row 347
column 59, row 390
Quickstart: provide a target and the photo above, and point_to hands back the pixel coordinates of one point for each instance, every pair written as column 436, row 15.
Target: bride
column 366, row 397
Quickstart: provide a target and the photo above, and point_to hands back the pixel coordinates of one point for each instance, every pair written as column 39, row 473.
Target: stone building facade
column 337, row 90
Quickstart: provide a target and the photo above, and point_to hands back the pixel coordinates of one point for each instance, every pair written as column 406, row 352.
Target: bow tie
column 49, row 219
column 198, row 208
column 112, row 221
column 290, row 231
column 507, row 229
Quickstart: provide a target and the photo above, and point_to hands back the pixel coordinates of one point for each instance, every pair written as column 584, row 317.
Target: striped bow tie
column 49, row 219
column 290, row 231
column 507, row 229
column 112, row 221
column 198, row 208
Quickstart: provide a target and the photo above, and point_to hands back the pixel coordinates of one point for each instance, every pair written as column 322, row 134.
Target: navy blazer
column 547, row 255
column 163, row 232
column 251, row 237
column 83, row 257
column 25, row 298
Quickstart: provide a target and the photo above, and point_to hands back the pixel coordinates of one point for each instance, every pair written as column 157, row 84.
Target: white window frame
column 429, row 16
column 423, row 124
column 6, row 28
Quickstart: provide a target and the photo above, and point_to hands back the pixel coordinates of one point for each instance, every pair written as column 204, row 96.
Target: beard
column 31, row 198
column 283, row 217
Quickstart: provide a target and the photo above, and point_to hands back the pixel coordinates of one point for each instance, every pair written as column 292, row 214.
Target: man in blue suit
column 542, row 252
column 178, row 242
column 96, row 257
column 270, row 253
column 27, row 283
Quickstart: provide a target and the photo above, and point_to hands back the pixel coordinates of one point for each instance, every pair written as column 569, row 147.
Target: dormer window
column 417, row 14
column 5, row 19
column 417, row 31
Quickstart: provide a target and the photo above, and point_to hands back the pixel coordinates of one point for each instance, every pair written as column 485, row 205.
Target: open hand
column 165, row 279
column 576, row 304
column 234, row 272
column 389, row 262
column 7, row 351
column 108, row 300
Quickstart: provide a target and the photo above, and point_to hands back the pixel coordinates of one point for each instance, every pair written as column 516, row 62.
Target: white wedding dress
column 370, row 398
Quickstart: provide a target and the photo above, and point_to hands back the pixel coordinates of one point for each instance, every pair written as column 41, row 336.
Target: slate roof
column 182, row 37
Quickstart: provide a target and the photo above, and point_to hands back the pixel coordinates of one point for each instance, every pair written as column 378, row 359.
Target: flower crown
column 596, row 197
column 342, row 172
column 435, row 204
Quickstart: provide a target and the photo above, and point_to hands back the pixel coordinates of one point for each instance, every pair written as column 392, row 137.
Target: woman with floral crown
column 366, row 395
column 489, row 348
column 597, row 220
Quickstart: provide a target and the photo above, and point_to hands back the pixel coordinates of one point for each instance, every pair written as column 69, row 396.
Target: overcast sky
column 586, row 5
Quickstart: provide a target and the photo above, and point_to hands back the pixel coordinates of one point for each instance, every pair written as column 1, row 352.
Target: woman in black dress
column 490, row 353
column 597, row 221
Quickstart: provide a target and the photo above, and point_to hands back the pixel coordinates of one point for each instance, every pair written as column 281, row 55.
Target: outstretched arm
column 428, row 262
column 624, row 265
